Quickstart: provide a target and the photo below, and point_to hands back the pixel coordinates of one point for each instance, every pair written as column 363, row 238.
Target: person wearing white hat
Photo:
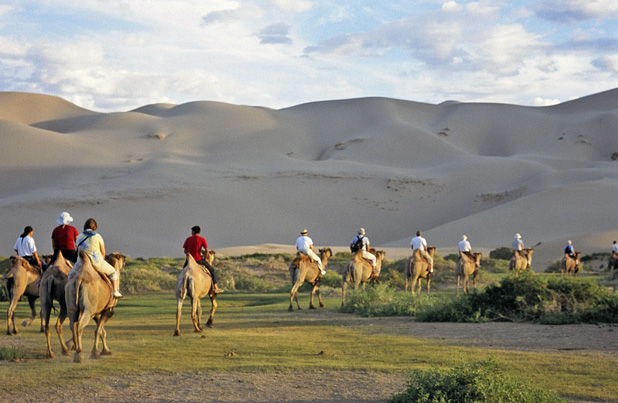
column 465, row 248
column 304, row 244
column 361, row 242
column 63, row 238
column 518, row 244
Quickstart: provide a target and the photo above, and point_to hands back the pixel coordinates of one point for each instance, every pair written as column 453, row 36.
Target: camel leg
column 79, row 330
column 103, row 334
column 213, row 308
column 45, row 314
column 61, row 317
column 428, row 283
column 313, row 288
column 474, row 279
column 10, row 316
column 317, row 290
column 28, row 322
column 97, row 335
column 179, row 302
column 199, row 313
column 294, row 296
column 194, row 302
column 343, row 287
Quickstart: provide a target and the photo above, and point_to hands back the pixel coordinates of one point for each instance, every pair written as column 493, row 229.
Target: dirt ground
column 328, row 386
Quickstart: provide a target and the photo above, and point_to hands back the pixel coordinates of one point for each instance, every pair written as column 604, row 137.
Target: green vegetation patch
column 483, row 381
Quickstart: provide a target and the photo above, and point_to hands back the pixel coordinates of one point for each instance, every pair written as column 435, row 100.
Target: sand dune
column 256, row 176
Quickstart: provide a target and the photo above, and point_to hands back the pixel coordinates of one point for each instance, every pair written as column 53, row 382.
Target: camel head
column 325, row 253
column 117, row 260
column 431, row 250
column 477, row 256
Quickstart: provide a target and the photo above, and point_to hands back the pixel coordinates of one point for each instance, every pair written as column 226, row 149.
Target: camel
column 570, row 265
column 89, row 296
column 416, row 269
column 358, row 271
column 195, row 281
column 521, row 260
column 21, row 279
column 467, row 267
column 52, row 288
column 304, row 269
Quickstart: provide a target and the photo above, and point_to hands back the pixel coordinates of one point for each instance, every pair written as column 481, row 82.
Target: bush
column 529, row 297
column 501, row 253
column 482, row 381
column 142, row 279
column 383, row 300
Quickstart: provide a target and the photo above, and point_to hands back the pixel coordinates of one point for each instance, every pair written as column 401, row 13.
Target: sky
column 117, row 55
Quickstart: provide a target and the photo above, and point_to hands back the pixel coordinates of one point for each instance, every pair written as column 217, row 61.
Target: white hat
column 463, row 237
column 361, row 231
column 303, row 232
column 517, row 236
column 64, row 218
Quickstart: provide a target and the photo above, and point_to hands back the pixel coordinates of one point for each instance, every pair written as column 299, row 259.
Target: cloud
column 292, row 6
column 566, row 11
column 607, row 64
column 275, row 34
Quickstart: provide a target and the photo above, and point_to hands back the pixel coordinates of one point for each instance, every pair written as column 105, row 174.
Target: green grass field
column 256, row 333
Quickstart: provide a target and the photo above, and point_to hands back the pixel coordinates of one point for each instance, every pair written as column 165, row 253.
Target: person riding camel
column 361, row 242
column 26, row 248
column 419, row 243
column 569, row 251
column 195, row 245
column 92, row 244
column 64, row 237
column 615, row 250
column 466, row 249
column 518, row 245
column 304, row 245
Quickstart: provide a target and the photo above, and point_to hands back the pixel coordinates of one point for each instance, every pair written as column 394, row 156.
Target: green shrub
column 11, row 353
column 482, row 381
column 503, row 253
column 529, row 297
column 382, row 300
column 331, row 279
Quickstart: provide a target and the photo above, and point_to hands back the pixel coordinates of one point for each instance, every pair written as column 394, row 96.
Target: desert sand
column 253, row 177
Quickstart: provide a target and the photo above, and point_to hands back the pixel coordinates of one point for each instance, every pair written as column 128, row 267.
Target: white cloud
column 507, row 46
column 450, row 6
column 292, row 6
column 539, row 101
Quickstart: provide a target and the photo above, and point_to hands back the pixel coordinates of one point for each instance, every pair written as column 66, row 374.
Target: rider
column 364, row 248
column 569, row 250
column 518, row 244
column 465, row 248
column 304, row 244
column 26, row 248
column 419, row 243
column 615, row 249
column 63, row 238
column 92, row 243
column 194, row 246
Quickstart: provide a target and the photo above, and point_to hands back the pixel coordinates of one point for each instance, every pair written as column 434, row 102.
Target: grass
column 255, row 333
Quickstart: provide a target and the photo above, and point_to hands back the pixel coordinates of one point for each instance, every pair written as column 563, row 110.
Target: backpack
column 358, row 245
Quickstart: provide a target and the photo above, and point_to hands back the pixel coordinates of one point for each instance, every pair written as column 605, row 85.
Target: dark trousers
column 210, row 268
